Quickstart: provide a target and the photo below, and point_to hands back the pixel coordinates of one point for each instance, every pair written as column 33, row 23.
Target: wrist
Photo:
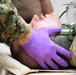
column 25, row 39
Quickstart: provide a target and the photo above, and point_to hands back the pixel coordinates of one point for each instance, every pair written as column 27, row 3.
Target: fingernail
column 65, row 64
column 56, row 68
column 69, row 55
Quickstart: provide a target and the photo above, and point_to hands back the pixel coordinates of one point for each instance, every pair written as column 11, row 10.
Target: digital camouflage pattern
column 12, row 26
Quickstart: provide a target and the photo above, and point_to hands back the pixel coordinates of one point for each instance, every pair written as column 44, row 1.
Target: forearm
column 13, row 27
column 46, row 6
column 25, row 39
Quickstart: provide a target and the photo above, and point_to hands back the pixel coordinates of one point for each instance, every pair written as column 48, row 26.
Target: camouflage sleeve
column 12, row 26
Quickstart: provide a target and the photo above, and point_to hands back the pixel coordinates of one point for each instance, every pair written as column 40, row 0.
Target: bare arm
column 46, row 6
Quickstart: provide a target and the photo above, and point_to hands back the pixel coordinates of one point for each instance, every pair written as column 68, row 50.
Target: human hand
column 44, row 50
column 49, row 20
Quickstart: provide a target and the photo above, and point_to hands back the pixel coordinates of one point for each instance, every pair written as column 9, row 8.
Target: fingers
column 51, row 64
column 63, row 51
column 52, row 30
column 47, row 64
column 43, row 65
column 55, row 57
column 60, row 61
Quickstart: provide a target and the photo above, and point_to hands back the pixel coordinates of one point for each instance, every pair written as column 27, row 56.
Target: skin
column 39, row 7
column 46, row 6
column 50, row 20
column 19, row 54
column 37, row 22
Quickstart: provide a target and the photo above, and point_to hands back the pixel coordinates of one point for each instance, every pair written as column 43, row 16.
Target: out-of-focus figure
column 28, row 8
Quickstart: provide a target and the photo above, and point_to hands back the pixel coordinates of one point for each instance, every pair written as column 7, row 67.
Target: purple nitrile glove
column 41, row 48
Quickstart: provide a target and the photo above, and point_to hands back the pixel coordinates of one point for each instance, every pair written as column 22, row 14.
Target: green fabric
column 12, row 26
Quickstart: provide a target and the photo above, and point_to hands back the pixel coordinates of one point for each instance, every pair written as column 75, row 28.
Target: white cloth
column 12, row 65
column 73, row 50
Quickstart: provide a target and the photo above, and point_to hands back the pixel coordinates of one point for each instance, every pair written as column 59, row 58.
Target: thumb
column 53, row 30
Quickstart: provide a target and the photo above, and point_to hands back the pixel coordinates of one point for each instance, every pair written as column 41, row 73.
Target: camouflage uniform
column 12, row 26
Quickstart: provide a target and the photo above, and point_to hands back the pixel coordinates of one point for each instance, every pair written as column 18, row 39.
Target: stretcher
column 53, row 72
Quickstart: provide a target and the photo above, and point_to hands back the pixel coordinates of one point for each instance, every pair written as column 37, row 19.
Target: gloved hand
column 41, row 48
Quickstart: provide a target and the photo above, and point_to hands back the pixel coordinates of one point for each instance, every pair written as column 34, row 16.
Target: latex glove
column 41, row 48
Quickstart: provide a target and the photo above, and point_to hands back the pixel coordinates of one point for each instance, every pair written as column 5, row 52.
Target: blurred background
column 59, row 8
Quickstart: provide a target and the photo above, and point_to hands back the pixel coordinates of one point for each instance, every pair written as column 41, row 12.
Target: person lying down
column 35, row 42
column 37, row 22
